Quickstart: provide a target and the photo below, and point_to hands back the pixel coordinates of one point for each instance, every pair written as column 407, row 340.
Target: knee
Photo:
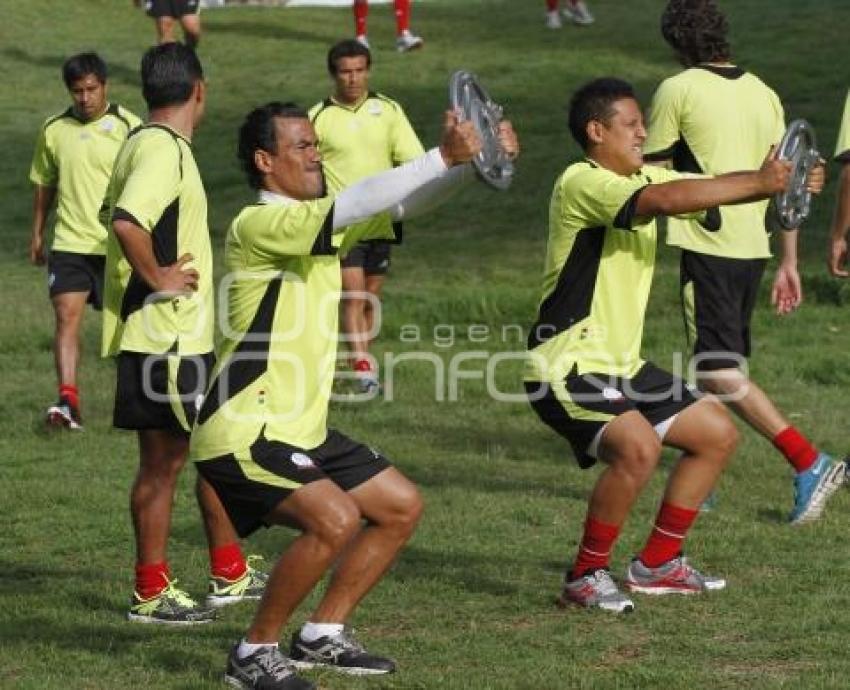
column 405, row 510
column 721, row 433
column 338, row 523
column 640, row 460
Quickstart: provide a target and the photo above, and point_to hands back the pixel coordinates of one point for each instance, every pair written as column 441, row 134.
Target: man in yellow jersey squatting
column 261, row 438
column 586, row 378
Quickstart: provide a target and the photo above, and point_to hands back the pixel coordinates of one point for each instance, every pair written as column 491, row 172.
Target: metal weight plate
column 799, row 146
column 471, row 100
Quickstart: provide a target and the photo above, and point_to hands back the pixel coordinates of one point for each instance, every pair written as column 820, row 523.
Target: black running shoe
column 339, row 652
column 265, row 669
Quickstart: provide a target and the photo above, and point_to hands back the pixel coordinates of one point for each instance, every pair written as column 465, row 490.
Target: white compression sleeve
column 433, row 193
column 388, row 191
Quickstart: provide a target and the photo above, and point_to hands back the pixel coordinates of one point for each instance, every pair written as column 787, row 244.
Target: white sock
column 246, row 648
column 311, row 632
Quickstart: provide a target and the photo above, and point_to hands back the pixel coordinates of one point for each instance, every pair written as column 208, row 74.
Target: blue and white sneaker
column 813, row 488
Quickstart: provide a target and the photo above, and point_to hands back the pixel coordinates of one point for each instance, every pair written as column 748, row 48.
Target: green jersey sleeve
column 405, row 144
column 663, row 130
column 269, row 232
column 44, row 171
column 599, row 197
column 153, row 183
column 842, row 146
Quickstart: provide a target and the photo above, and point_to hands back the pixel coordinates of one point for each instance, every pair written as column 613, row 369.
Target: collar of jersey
column 110, row 110
column 269, row 197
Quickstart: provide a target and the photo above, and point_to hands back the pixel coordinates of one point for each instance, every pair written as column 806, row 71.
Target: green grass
column 470, row 602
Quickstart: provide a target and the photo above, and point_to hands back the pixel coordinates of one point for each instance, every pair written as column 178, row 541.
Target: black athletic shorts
column 718, row 298
column 578, row 407
column 171, row 8
column 373, row 257
column 251, row 484
column 160, row 391
column 70, row 272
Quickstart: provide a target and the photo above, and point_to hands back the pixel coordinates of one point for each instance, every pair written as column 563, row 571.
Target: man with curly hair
column 714, row 118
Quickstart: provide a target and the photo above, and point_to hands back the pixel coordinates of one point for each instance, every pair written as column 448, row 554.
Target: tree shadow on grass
column 116, row 71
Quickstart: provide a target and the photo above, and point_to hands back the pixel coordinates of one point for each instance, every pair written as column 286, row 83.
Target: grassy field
column 470, row 603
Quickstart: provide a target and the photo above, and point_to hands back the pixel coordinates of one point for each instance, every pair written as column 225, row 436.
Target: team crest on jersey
column 375, row 108
column 302, row 460
column 107, row 126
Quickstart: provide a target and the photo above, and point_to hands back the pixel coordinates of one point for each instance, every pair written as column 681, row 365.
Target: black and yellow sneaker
column 171, row 606
column 265, row 669
column 340, row 652
column 251, row 585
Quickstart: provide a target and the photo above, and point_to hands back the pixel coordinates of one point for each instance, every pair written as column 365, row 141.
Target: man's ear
column 263, row 161
column 595, row 131
column 200, row 91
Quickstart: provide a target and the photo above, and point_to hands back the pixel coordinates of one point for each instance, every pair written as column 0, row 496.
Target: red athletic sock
column 595, row 548
column 402, row 16
column 151, row 578
column 71, row 394
column 361, row 365
column 228, row 562
column 361, row 10
column 551, row 5
column 665, row 541
column 796, row 448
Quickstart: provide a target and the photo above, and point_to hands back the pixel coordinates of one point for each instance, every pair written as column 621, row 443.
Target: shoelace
column 274, row 663
column 178, row 595
column 345, row 640
column 604, row 584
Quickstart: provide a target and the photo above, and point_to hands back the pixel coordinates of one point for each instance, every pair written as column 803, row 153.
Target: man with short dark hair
column 158, row 324
column 71, row 165
column 261, row 438
column 713, row 118
column 361, row 133
column 585, row 376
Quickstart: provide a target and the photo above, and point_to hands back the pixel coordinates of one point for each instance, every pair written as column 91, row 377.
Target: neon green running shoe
column 251, row 585
column 171, row 606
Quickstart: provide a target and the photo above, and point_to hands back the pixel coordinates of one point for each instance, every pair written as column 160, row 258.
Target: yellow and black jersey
column 599, row 264
column 363, row 140
column 156, row 185
column 277, row 360
column 76, row 158
column 715, row 120
column 842, row 146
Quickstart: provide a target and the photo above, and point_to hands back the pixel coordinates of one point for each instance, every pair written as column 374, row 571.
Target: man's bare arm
column 840, row 225
column 42, row 201
column 169, row 280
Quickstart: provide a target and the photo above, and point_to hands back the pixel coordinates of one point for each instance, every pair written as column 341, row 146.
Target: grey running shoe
column 265, row 669
column 340, row 652
column 813, row 488
column 250, row 586
column 171, row 606
column 579, row 14
column 676, row 576
column 553, row 20
column 595, row 589
column 363, row 41
column 407, row 42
